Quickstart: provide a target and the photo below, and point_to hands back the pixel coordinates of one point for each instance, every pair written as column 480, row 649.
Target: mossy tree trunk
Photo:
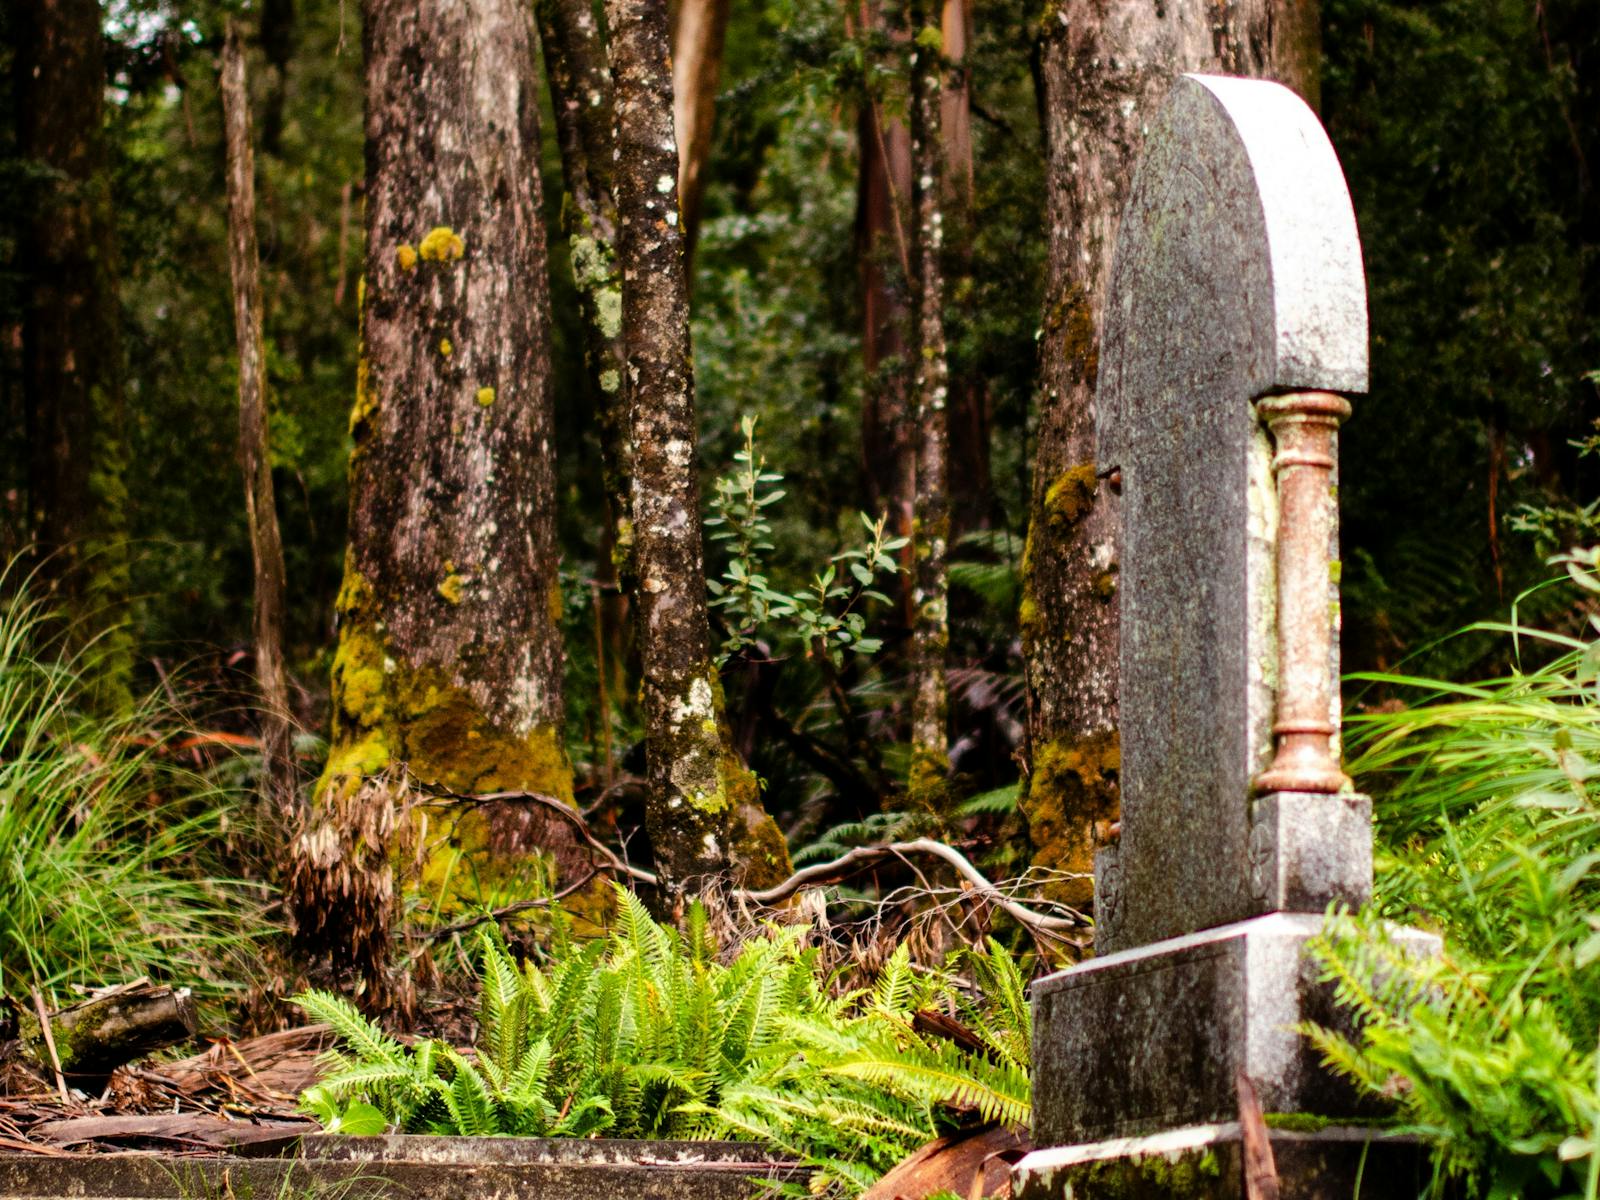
column 266, row 545
column 699, row 29
column 1104, row 70
column 703, row 810
column 930, row 630
column 581, row 97
column 449, row 660
column 71, row 336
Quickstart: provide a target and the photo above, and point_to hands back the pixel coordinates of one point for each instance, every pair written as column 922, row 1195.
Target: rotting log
column 94, row 1037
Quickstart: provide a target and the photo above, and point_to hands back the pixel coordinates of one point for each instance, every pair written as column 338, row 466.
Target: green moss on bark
column 1071, row 805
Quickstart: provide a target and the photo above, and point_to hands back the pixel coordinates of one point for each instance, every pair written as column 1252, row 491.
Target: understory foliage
column 1488, row 799
column 105, row 837
column 656, row 1033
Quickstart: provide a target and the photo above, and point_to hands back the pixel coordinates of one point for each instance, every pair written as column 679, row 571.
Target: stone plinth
column 1206, row 1162
column 1153, row 1038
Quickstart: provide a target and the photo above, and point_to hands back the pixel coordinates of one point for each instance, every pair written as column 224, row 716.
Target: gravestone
column 1234, row 329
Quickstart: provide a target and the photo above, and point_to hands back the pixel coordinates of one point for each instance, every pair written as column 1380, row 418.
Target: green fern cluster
column 1489, row 821
column 649, row 1033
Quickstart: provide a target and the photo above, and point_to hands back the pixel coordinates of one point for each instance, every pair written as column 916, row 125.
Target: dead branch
column 837, row 870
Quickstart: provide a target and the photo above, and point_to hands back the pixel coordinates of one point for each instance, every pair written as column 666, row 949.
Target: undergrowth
column 656, row 1033
column 1488, row 801
column 101, row 833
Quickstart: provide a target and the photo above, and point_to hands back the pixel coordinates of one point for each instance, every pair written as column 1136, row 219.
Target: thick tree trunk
column 704, row 810
column 699, row 29
column 278, row 775
column 930, row 630
column 71, row 336
column 1104, row 71
column 449, row 661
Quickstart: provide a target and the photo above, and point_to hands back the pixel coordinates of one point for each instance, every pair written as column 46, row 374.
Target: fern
column 655, row 1033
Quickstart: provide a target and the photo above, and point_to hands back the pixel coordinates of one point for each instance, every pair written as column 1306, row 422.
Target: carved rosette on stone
column 1235, row 331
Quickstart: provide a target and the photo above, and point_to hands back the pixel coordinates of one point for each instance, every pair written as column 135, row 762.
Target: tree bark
column 704, row 811
column 1104, row 71
column 71, row 336
column 449, row 660
column 266, row 546
column 972, row 500
column 888, row 449
column 699, row 29
column 930, row 630
column 581, row 97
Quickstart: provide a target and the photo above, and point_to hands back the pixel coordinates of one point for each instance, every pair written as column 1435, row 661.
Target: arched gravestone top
column 1237, row 274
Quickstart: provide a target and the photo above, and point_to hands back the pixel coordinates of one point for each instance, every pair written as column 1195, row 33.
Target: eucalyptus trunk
column 1104, row 71
column 703, row 810
column 449, row 662
column 71, row 337
column 930, row 629
column 699, row 29
column 266, row 545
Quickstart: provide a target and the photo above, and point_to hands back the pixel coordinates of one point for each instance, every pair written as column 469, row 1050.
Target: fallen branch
column 89, row 1039
column 844, row 867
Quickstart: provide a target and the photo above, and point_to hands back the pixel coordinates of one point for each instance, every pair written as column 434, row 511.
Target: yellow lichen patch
column 451, row 586
column 407, row 255
column 1105, row 584
column 1071, row 804
column 363, row 414
column 485, row 396
column 446, row 348
column 1070, row 497
column 442, row 244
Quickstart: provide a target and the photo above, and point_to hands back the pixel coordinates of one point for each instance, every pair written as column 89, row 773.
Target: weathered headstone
column 1235, row 326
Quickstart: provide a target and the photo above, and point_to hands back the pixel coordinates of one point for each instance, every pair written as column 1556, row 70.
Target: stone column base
column 1153, row 1038
column 1206, row 1162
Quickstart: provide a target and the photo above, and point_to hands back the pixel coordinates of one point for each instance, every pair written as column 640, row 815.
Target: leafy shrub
column 650, row 1033
column 97, row 827
column 1489, row 823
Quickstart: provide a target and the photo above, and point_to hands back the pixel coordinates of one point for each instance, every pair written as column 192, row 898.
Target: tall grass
column 1488, row 803
column 103, row 840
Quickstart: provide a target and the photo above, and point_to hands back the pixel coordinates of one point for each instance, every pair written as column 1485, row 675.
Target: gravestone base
column 1153, row 1038
column 1206, row 1162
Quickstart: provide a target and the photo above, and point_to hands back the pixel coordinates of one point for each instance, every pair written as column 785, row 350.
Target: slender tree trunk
column 449, row 660
column 71, row 336
column 883, row 250
column 972, row 503
column 278, row 775
column 699, row 29
column 582, row 100
column 930, row 630
column 1104, row 71
column 704, row 810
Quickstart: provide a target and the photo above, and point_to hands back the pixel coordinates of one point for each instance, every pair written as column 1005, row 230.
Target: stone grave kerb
column 1234, row 332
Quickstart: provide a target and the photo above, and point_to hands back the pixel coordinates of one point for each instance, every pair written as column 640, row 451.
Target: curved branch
column 849, row 864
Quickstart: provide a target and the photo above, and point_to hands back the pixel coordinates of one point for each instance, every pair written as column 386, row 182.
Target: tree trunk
column 71, row 336
column 699, row 29
column 883, row 250
column 704, row 810
column 582, row 100
column 930, row 630
column 1104, row 71
column 449, row 661
column 278, row 774
column 972, row 500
